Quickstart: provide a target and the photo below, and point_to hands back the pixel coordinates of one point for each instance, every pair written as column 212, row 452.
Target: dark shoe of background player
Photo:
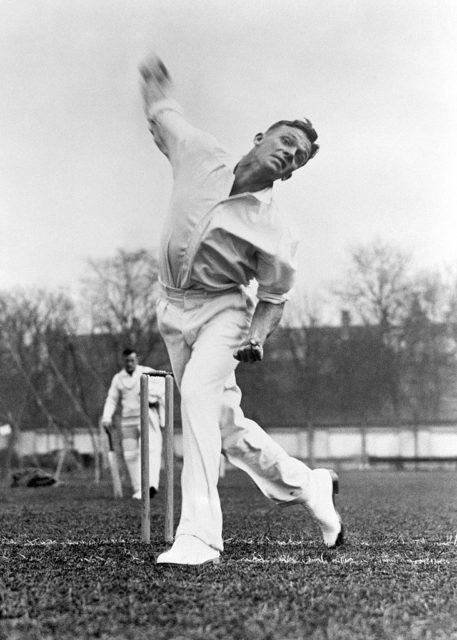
column 152, row 493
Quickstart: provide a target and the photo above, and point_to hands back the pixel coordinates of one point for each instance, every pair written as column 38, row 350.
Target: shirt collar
column 124, row 373
column 264, row 195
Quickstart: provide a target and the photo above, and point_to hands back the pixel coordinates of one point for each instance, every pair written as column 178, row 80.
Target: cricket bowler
column 224, row 229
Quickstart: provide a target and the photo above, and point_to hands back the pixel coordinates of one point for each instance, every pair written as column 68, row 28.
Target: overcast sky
column 81, row 177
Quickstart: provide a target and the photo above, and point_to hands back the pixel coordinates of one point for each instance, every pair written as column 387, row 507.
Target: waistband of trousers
column 175, row 293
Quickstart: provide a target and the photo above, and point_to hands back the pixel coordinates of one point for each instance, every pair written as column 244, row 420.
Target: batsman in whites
column 125, row 390
column 223, row 230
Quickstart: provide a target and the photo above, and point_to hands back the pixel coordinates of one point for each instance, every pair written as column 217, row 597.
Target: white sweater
column 125, row 388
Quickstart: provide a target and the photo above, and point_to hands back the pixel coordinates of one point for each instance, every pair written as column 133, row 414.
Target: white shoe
column 137, row 495
column 189, row 550
column 324, row 486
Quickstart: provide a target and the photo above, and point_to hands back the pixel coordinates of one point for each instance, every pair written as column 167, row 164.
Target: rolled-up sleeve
column 276, row 270
column 112, row 399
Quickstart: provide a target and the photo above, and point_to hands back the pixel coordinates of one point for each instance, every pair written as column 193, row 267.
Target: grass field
column 72, row 566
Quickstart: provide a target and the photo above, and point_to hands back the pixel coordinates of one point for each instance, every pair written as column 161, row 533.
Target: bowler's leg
column 280, row 477
column 202, row 390
column 214, row 330
column 246, row 445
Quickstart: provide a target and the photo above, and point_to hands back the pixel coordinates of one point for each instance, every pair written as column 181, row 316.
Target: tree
column 376, row 285
column 303, row 309
column 301, row 317
column 120, row 294
column 427, row 346
column 377, row 288
column 31, row 323
column 450, row 286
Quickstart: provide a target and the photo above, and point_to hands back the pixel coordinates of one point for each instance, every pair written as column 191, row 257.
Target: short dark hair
column 304, row 125
column 128, row 352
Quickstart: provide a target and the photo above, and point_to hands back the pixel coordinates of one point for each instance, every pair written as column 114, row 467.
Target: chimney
column 345, row 323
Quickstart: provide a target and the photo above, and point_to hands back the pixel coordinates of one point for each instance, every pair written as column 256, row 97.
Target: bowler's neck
column 249, row 177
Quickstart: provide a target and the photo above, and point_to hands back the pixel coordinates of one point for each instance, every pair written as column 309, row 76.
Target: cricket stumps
column 169, row 456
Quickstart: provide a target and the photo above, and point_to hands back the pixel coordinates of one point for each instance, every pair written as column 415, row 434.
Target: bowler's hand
column 252, row 351
column 156, row 78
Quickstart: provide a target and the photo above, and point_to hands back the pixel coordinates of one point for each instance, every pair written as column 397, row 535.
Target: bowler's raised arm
column 165, row 116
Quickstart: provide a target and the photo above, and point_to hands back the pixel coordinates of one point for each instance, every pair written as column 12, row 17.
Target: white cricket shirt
column 125, row 388
column 213, row 241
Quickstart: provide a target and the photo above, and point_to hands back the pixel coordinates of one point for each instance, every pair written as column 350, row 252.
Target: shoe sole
column 335, row 490
column 215, row 561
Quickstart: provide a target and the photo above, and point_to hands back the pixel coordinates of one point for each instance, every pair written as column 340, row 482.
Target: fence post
column 311, row 457
column 364, row 455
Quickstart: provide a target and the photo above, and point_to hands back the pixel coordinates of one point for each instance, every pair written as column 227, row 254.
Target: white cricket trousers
column 202, row 331
column 131, row 443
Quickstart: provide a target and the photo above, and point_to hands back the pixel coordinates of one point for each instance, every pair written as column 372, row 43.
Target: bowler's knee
column 231, row 433
column 193, row 393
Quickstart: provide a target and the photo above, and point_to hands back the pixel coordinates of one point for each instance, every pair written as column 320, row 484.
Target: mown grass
column 72, row 566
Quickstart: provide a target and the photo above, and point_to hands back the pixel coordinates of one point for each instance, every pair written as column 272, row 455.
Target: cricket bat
column 114, row 467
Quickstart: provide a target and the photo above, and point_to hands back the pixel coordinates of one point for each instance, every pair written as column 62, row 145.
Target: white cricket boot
column 320, row 502
column 191, row 551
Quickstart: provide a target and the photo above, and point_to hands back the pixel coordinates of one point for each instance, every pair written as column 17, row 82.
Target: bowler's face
column 282, row 151
column 130, row 362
